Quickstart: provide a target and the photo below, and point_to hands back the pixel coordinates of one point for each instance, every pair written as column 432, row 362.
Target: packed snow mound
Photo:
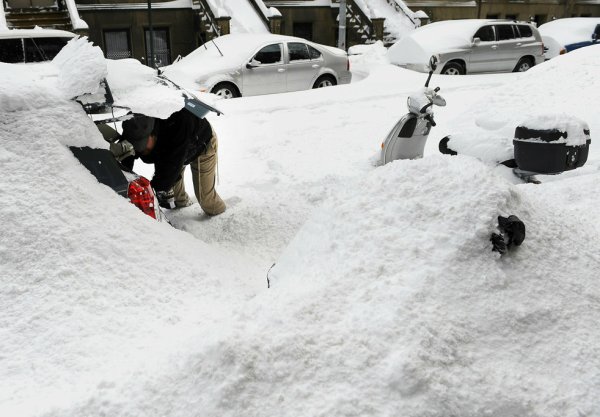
column 390, row 302
column 81, row 273
column 397, row 277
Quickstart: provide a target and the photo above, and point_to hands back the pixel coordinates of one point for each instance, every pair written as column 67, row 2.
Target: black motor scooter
column 408, row 137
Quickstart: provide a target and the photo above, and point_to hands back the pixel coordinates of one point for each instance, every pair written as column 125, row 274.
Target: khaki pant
column 204, row 178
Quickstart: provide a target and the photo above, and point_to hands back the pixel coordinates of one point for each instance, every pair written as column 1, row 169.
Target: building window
column 303, row 30
column 162, row 52
column 492, row 16
column 117, row 44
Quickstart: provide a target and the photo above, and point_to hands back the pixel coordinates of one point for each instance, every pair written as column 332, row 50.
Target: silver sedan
column 253, row 64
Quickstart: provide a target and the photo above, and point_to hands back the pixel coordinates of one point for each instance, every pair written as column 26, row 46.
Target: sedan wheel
column 226, row 91
column 325, row 81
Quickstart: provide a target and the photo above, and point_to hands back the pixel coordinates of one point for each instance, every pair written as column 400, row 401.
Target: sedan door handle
column 316, row 66
column 519, row 44
column 494, row 46
column 281, row 70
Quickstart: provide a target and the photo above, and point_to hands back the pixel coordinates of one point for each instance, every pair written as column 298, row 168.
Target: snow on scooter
column 542, row 145
column 408, row 137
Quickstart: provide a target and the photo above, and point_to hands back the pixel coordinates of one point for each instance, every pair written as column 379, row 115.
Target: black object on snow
column 443, row 147
column 103, row 165
column 512, row 233
column 546, row 155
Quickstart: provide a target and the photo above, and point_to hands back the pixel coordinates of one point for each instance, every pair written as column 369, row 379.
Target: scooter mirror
column 433, row 63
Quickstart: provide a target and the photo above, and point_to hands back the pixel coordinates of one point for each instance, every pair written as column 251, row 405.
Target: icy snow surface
column 385, row 300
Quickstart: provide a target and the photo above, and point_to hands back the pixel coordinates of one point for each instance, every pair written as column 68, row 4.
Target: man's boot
column 204, row 176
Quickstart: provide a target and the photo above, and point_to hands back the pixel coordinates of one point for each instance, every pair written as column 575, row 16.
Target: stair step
column 26, row 20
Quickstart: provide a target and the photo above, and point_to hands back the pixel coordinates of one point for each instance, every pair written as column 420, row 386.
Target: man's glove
column 122, row 150
column 166, row 199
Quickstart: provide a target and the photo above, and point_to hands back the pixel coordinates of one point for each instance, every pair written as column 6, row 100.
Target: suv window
column 314, row 54
column 270, row 54
column 486, row 34
column 505, row 32
column 11, row 51
column 298, row 51
column 525, row 31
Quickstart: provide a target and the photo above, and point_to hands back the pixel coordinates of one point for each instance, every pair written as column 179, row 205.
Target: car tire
column 523, row 65
column 226, row 90
column 325, row 81
column 453, row 68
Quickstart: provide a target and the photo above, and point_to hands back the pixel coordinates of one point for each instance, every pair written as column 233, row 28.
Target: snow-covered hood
column 435, row 38
column 570, row 30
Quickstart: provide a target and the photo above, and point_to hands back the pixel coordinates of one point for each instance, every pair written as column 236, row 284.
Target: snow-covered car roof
column 35, row 33
column 570, row 30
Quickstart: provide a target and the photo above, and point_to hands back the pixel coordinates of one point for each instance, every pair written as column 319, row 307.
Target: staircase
column 359, row 27
column 30, row 18
column 208, row 25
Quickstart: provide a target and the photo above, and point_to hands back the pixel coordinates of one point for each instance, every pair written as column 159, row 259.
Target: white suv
column 470, row 46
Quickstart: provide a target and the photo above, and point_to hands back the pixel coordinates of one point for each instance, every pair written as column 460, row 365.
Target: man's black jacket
column 180, row 139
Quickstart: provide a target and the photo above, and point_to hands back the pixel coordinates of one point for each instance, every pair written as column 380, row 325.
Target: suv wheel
column 523, row 65
column 453, row 68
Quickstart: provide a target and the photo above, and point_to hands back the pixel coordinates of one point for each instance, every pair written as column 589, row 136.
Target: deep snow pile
column 388, row 301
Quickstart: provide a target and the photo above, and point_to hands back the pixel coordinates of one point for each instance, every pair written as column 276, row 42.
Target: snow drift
column 387, row 302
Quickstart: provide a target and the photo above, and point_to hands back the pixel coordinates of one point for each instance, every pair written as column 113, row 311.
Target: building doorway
column 162, row 51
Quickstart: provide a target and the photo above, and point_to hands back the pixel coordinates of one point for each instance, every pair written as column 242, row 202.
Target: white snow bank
column 368, row 54
column 90, row 286
column 117, row 315
column 393, row 280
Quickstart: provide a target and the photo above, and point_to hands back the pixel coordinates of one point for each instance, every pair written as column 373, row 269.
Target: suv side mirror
column 476, row 41
column 252, row 64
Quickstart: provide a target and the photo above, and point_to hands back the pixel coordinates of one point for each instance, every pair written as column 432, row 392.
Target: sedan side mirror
column 476, row 41
column 252, row 64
